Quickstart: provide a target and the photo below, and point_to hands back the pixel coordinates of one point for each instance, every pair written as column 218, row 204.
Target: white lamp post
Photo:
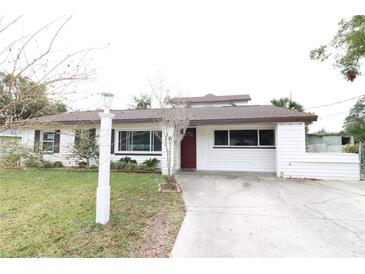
column 103, row 190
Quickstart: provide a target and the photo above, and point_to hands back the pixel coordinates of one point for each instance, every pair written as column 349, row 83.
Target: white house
column 225, row 134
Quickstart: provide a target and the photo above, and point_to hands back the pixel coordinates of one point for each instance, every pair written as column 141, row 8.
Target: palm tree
column 142, row 102
column 287, row 103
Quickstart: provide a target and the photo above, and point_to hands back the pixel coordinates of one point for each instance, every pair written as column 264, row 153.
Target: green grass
column 52, row 214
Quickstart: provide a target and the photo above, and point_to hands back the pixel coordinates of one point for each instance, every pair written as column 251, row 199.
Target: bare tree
column 50, row 72
column 173, row 122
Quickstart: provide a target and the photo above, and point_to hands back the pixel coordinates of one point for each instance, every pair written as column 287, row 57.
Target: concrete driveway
column 247, row 215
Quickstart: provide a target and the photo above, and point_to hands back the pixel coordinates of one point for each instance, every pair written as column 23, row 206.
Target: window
column 156, row 140
column 221, row 137
column 48, row 141
column 139, row 140
column 267, row 137
column 345, row 140
column 244, row 138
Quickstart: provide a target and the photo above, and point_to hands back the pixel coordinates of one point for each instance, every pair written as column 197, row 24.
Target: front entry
column 188, row 149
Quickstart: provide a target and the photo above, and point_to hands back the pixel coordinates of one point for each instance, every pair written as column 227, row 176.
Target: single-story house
column 328, row 142
column 225, row 134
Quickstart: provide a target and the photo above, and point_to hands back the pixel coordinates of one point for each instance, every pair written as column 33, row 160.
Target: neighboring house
column 10, row 136
column 327, row 142
column 233, row 137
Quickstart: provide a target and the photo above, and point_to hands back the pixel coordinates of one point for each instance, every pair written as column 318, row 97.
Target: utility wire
column 340, row 113
column 335, row 103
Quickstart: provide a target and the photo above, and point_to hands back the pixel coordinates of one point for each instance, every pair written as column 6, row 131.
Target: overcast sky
column 199, row 47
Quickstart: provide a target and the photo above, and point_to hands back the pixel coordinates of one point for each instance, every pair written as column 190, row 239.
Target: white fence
column 324, row 148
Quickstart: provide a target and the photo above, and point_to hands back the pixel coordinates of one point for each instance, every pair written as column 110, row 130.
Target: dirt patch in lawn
column 160, row 234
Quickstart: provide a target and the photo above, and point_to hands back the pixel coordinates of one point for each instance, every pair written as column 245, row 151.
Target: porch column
column 103, row 190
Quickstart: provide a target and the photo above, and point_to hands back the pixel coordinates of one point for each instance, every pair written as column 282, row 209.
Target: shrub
column 33, row 159
column 47, row 164
column 57, row 164
column 350, row 149
column 144, row 167
column 10, row 156
column 83, row 164
column 131, row 166
column 117, row 165
column 152, row 162
column 127, row 160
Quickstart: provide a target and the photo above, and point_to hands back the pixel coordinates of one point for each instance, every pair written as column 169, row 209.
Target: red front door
column 188, row 149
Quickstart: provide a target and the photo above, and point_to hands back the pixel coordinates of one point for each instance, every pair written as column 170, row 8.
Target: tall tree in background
column 355, row 122
column 22, row 98
column 36, row 77
column 347, row 47
column 142, row 102
column 287, row 103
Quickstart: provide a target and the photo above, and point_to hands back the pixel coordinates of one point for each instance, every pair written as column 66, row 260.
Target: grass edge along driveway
column 52, row 214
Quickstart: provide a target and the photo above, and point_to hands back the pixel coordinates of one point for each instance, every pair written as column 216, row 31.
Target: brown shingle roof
column 198, row 116
column 211, row 98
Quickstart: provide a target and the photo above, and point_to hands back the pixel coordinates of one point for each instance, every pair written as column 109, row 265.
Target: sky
column 226, row 47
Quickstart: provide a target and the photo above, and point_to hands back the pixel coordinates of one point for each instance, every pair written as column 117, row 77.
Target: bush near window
column 130, row 165
column 82, row 164
column 152, row 162
column 127, row 160
column 49, row 164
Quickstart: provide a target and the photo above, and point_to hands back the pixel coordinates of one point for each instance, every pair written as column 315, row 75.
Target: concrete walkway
column 248, row 215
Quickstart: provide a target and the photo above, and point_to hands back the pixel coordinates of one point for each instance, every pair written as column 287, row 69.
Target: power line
column 340, row 113
column 335, row 103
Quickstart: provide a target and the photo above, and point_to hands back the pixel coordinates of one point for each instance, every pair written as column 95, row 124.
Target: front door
column 188, row 149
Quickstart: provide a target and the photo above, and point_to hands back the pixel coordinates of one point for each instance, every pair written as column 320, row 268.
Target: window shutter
column 37, row 137
column 112, row 142
column 56, row 147
column 77, row 136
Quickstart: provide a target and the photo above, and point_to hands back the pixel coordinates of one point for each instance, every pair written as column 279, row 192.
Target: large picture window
column 139, row 140
column 48, row 141
column 244, row 138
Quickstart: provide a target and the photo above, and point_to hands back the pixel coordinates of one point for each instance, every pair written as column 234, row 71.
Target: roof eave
column 252, row 120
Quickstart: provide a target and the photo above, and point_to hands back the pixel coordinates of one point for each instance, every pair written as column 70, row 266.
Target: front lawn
column 52, row 214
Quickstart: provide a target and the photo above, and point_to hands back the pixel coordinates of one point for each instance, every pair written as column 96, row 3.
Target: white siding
column 67, row 139
column 293, row 161
column 232, row 159
column 28, row 138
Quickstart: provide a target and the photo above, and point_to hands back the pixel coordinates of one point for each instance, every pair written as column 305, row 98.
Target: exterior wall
column 232, row 159
column 293, row 161
column 67, row 139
